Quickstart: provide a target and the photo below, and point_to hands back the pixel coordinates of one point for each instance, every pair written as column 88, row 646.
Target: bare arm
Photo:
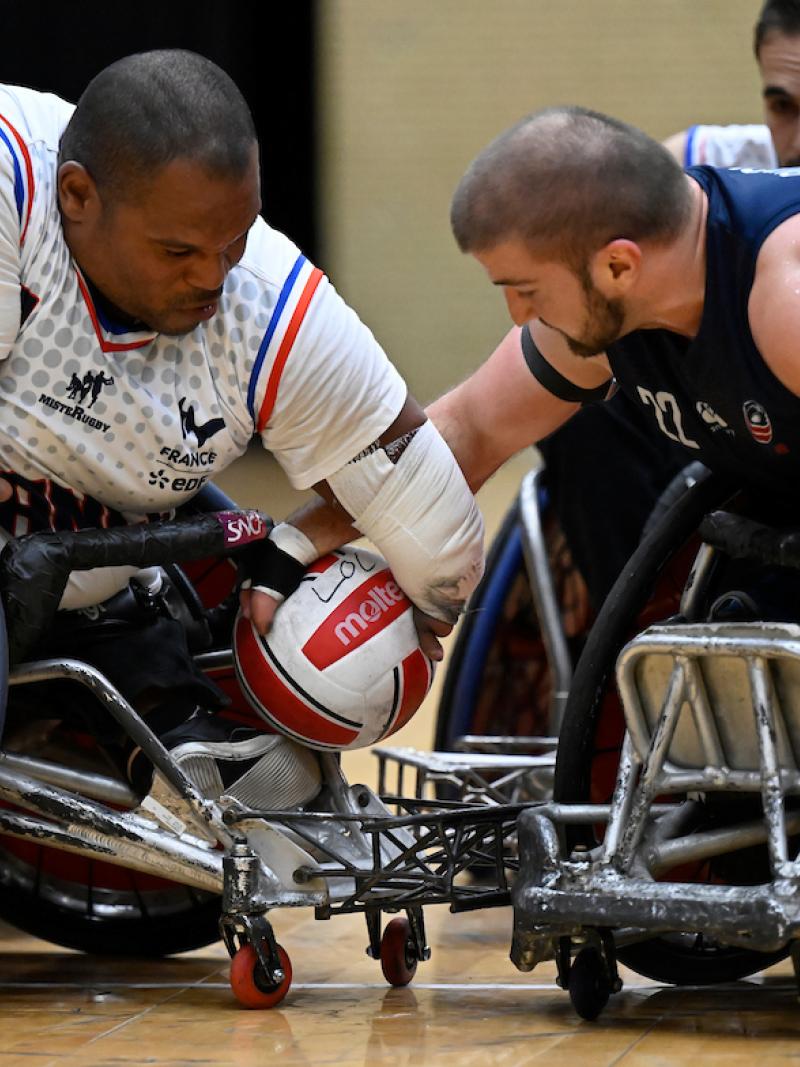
column 774, row 306
column 502, row 408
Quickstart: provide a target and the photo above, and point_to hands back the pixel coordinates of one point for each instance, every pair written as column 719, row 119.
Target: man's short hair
column 148, row 109
column 569, row 180
column 777, row 16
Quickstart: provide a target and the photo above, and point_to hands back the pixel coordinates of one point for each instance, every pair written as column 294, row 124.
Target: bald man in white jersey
column 151, row 323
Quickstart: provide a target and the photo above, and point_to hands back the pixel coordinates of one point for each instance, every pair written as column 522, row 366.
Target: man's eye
column 177, row 252
column 782, row 107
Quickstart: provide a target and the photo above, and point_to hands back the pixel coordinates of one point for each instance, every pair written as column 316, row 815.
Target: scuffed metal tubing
column 96, row 786
column 707, row 759
column 705, row 845
column 534, row 550
column 132, row 724
column 114, row 837
column 553, row 894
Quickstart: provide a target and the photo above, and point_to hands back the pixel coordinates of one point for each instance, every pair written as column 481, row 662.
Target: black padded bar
column 743, row 538
column 34, row 570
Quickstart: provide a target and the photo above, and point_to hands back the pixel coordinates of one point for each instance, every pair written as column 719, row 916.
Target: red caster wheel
column 398, row 957
column 249, row 983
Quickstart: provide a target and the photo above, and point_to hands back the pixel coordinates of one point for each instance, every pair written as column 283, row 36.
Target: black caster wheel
column 589, row 984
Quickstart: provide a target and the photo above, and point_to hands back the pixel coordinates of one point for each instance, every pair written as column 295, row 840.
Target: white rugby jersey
column 730, row 146
column 99, row 426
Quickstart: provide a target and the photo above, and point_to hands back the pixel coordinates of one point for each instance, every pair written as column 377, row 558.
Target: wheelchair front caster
column 250, row 983
column 398, row 954
column 590, row 984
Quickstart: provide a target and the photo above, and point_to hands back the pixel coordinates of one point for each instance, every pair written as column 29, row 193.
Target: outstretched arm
column 774, row 304
column 502, row 407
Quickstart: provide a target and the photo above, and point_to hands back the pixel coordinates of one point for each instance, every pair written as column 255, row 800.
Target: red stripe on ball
column 276, row 701
column 417, row 677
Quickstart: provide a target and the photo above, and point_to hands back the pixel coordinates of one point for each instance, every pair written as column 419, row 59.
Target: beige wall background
column 410, row 91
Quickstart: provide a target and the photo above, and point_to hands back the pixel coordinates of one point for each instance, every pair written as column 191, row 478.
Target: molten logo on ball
column 341, row 667
column 381, row 599
column 366, row 611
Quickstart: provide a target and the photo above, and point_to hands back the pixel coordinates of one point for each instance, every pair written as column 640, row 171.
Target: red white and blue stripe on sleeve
column 23, row 173
column 276, row 346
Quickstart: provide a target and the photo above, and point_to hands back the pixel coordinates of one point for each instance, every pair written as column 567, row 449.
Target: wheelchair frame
column 351, row 854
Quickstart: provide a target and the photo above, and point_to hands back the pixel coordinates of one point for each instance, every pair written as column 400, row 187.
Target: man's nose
column 520, row 308
column 793, row 146
column 208, row 273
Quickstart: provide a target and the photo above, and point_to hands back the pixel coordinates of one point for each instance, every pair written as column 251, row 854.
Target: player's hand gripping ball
column 341, row 667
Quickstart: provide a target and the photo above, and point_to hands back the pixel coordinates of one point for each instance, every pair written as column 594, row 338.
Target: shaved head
column 777, row 17
column 567, row 181
column 147, row 110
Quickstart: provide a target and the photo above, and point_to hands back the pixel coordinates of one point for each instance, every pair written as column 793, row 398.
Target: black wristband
column 266, row 565
column 552, row 380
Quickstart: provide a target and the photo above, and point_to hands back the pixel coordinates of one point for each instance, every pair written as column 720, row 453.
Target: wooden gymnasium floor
column 468, row 1005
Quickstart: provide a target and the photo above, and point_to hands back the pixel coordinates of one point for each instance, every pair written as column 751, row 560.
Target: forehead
column 515, row 262
column 779, row 62
column 185, row 200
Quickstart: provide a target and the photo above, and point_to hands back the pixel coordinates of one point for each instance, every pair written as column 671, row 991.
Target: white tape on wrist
column 294, row 542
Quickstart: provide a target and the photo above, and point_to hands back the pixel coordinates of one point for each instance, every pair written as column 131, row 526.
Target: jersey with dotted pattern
column 99, row 426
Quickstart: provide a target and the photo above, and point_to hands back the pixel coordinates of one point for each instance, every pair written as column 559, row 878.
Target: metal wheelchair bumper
column 555, row 897
column 709, row 709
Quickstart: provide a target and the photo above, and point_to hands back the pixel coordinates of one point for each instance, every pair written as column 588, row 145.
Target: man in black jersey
column 613, row 262
column 604, row 514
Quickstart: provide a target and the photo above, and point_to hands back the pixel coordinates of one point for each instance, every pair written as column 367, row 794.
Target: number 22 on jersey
column 667, row 413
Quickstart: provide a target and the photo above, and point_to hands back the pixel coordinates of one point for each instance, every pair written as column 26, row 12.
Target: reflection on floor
column 467, row 1005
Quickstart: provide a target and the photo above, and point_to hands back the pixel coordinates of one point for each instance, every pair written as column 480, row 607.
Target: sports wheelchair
column 87, row 862
column 668, row 835
column 671, row 840
column 665, row 842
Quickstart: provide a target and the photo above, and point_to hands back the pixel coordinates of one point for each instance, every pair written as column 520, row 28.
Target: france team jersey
column 713, row 393
column 100, row 426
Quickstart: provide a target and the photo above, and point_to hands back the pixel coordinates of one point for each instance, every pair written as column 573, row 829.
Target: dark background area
column 267, row 48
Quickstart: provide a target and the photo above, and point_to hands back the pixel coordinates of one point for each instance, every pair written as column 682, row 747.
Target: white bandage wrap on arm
column 421, row 515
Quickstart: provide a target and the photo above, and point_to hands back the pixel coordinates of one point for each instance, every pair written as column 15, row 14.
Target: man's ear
column 77, row 192
column 616, row 266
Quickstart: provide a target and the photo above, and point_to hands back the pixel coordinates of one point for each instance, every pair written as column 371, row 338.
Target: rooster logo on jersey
column 193, row 457
column 189, row 427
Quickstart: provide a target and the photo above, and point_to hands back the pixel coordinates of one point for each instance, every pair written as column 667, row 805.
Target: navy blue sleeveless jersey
column 714, row 394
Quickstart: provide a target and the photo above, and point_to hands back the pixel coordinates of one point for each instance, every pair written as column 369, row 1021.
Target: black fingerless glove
column 265, row 566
